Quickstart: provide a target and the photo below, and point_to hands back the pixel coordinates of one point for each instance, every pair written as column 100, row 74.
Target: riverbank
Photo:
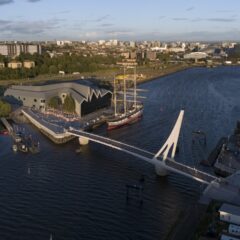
column 166, row 71
column 105, row 76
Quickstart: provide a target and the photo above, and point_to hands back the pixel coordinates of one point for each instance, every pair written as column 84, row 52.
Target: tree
column 69, row 104
column 235, row 52
column 5, row 109
column 54, row 102
column 53, row 69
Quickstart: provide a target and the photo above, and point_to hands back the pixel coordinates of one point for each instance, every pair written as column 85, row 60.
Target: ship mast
column 124, row 91
column 115, row 96
column 135, row 89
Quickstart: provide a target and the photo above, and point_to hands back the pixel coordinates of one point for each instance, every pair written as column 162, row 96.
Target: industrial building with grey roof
column 88, row 97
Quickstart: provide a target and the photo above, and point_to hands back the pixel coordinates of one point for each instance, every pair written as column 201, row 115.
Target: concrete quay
column 7, row 125
column 55, row 133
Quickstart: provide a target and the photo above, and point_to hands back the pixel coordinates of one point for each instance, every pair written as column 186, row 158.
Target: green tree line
column 235, row 52
column 5, row 109
column 47, row 65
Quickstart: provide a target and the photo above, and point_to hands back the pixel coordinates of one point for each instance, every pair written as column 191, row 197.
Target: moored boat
column 132, row 109
column 22, row 147
column 125, row 119
column 4, row 132
column 14, row 147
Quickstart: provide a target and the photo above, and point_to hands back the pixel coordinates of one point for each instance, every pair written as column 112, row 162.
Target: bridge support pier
column 160, row 169
column 83, row 140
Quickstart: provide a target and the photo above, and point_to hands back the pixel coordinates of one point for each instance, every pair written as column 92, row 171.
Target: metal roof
column 228, row 208
column 80, row 92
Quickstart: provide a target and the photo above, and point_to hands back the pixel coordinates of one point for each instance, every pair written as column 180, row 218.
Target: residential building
column 176, row 49
column 13, row 50
column 3, row 50
column 151, row 55
column 133, row 55
column 62, row 43
column 101, row 42
column 114, row 42
column 14, row 65
column 33, row 49
column 140, row 55
column 28, row 64
column 2, row 65
column 195, row 55
column 125, row 55
column 132, row 44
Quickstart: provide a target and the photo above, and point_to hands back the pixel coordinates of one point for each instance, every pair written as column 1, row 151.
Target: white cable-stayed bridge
column 161, row 160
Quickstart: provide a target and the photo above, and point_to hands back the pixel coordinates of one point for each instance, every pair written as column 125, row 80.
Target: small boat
column 23, row 148
column 35, row 147
column 4, row 132
column 14, row 147
column 78, row 150
column 17, row 139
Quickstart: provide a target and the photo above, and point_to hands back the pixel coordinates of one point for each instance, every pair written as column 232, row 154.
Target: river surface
column 83, row 196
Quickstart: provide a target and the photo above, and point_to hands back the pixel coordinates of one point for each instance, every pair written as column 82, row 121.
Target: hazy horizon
column 185, row 20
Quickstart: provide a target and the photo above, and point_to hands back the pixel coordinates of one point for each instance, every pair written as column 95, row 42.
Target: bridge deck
column 112, row 143
column 170, row 163
column 190, row 171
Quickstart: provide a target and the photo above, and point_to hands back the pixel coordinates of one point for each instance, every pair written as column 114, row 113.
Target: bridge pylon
column 83, row 140
column 169, row 146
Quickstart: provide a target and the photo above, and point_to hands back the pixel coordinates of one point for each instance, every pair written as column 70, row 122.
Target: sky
column 168, row 20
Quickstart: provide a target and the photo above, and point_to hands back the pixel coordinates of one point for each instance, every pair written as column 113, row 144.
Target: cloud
column 96, row 20
column 161, row 17
column 100, row 19
column 224, row 11
column 221, row 19
column 2, row 2
column 106, row 25
column 25, row 28
column 120, row 33
column 180, row 19
column 232, row 19
column 33, row 1
column 232, row 35
column 63, row 12
column 4, row 22
column 190, row 9
column 196, row 19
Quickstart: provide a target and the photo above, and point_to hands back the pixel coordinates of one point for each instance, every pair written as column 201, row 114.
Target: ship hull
column 125, row 120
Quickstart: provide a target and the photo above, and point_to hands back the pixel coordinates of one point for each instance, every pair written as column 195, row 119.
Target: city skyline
column 186, row 20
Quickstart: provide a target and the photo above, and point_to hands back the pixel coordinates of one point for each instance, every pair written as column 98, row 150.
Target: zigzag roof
column 80, row 92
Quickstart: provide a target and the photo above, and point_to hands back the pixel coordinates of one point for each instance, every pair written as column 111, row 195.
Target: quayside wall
column 58, row 138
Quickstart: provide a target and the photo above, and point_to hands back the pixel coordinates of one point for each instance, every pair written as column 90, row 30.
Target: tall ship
column 127, row 108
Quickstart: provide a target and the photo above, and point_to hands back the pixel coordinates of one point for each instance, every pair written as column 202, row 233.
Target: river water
column 83, row 196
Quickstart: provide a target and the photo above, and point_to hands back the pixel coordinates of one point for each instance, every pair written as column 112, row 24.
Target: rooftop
column 228, row 208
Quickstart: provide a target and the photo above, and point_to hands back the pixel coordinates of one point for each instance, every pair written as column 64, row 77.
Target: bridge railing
column 108, row 141
column 189, row 170
column 205, row 177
